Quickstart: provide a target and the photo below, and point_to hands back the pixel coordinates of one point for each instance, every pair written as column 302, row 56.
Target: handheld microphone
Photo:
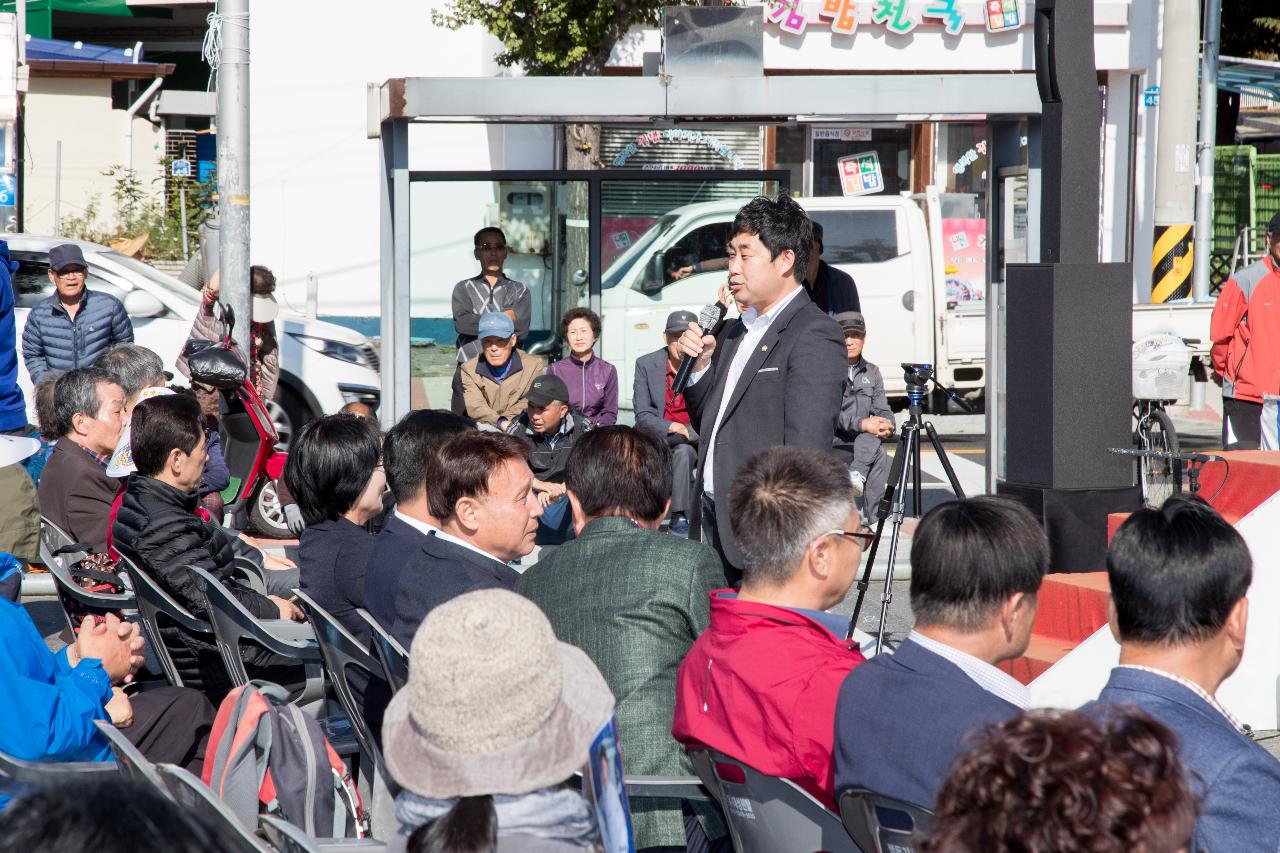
column 708, row 318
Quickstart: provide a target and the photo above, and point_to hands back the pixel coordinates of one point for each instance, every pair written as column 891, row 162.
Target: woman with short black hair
column 592, row 381
column 335, row 474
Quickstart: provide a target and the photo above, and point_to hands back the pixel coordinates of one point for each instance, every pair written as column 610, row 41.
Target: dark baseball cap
column 852, row 321
column 65, row 255
column 547, row 389
column 678, row 321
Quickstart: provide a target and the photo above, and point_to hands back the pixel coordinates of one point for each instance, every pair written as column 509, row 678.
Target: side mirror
column 655, row 274
column 141, row 304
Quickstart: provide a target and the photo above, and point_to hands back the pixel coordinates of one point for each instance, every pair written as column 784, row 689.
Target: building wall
column 314, row 174
column 77, row 111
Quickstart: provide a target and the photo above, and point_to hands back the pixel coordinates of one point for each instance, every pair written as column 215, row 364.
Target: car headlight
column 334, row 349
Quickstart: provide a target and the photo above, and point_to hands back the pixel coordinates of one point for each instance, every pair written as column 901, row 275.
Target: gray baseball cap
column 678, row 321
column 65, row 255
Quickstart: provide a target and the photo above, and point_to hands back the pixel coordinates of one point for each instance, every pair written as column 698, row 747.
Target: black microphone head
column 710, row 315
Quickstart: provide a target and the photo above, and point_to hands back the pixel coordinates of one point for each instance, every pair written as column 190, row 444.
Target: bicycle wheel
column 1161, row 476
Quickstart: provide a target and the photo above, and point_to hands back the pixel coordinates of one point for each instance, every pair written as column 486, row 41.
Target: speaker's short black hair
column 330, row 463
column 616, row 470
column 780, row 225
column 969, row 556
column 411, row 442
column 1176, row 572
column 161, row 425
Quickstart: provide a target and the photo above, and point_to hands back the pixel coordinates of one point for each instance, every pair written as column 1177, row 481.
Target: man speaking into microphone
column 777, row 376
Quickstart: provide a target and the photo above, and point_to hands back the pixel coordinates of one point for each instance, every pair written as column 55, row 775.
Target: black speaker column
column 1068, row 325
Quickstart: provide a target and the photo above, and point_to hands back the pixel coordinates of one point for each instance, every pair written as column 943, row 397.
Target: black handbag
column 215, row 365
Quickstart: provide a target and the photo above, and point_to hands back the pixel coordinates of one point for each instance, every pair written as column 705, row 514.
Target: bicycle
column 1159, row 378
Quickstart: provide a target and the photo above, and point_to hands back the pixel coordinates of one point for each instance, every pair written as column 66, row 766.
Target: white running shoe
column 859, row 483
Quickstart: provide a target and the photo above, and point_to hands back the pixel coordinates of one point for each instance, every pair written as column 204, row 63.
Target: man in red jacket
column 761, row 682
column 1246, row 344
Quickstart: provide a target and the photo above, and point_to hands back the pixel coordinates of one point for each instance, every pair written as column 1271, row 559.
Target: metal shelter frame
column 662, row 100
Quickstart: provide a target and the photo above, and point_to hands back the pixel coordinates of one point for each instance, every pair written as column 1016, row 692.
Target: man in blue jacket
column 1178, row 576
column 73, row 326
column 49, row 702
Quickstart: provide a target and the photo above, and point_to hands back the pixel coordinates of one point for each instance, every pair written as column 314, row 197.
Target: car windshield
column 170, row 284
column 619, row 268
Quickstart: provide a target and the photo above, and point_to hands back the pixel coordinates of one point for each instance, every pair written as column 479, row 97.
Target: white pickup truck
column 882, row 241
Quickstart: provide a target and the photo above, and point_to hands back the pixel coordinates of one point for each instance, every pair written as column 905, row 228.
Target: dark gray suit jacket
column 788, row 393
column 649, row 395
column 438, row 572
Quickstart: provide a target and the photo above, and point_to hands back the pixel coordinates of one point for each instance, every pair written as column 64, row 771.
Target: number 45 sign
column 860, row 174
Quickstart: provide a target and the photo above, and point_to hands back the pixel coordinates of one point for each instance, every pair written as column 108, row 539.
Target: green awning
column 40, row 12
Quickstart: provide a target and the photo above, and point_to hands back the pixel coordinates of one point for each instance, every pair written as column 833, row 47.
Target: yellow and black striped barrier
column 1171, row 263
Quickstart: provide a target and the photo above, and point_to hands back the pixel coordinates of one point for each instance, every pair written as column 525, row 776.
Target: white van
column 882, row 241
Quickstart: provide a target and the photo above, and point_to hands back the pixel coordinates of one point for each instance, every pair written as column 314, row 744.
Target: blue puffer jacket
column 53, row 341
column 13, row 408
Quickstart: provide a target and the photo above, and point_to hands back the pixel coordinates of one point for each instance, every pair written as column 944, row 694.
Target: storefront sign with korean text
column 897, row 16
column 860, row 174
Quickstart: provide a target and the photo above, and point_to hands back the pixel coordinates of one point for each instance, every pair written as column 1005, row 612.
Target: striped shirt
column 1193, row 687
column 990, row 678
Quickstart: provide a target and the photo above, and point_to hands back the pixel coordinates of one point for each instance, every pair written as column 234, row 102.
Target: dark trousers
column 1241, row 424
column 711, row 536
column 171, row 726
column 684, row 458
column 555, row 526
column 696, row 840
column 457, row 404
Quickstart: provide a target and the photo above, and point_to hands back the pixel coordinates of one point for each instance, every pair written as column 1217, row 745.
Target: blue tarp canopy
column 61, row 50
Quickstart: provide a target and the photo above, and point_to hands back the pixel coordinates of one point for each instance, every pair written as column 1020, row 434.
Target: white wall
column 313, row 174
column 77, row 111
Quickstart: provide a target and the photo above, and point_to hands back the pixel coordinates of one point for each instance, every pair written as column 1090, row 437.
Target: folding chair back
column 234, row 625
column 287, row 838
column 52, row 540
column 189, row 792
column 767, row 814
column 395, row 660
column 19, row 772
column 340, row 650
column 132, row 763
column 881, row 824
column 155, row 603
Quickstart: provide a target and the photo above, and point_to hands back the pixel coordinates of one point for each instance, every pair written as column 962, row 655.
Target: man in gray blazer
column 777, row 377
column 1178, row 576
column 665, row 413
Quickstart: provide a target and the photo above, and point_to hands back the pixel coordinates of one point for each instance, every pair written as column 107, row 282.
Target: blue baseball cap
column 495, row 324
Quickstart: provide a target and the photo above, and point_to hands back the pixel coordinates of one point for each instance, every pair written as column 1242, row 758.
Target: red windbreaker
column 1245, row 329
column 760, row 685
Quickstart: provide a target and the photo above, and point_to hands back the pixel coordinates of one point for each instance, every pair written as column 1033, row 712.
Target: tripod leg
column 917, row 501
column 946, row 462
column 894, row 493
column 899, row 509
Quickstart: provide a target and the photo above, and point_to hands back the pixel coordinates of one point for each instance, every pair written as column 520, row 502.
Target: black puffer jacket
column 158, row 529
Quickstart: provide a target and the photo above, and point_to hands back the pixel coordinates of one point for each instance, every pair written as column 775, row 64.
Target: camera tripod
column 904, row 470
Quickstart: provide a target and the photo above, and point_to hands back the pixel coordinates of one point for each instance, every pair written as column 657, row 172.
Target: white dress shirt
column 756, row 325
column 421, row 526
column 440, row 534
column 990, row 678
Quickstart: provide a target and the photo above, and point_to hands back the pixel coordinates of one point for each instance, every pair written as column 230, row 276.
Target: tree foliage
column 553, row 37
column 1251, row 29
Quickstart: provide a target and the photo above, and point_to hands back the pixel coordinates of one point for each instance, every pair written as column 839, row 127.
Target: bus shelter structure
column 1008, row 102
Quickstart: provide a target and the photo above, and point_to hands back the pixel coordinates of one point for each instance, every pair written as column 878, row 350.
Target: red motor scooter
column 248, row 435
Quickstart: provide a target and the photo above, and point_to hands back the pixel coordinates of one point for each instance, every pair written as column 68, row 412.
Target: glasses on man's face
column 861, row 537
column 491, row 247
column 72, row 272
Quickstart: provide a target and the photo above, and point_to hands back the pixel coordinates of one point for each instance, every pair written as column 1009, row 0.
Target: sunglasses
column 491, row 247
column 863, row 539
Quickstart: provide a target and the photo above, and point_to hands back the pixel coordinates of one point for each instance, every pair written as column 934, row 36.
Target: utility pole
column 1172, row 254
column 1205, row 152
column 233, row 164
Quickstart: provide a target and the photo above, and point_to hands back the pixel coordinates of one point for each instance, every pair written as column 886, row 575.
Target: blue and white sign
column 8, row 191
column 1151, row 96
column 180, row 168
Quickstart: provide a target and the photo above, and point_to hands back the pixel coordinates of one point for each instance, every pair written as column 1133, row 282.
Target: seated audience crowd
column 618, row 645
